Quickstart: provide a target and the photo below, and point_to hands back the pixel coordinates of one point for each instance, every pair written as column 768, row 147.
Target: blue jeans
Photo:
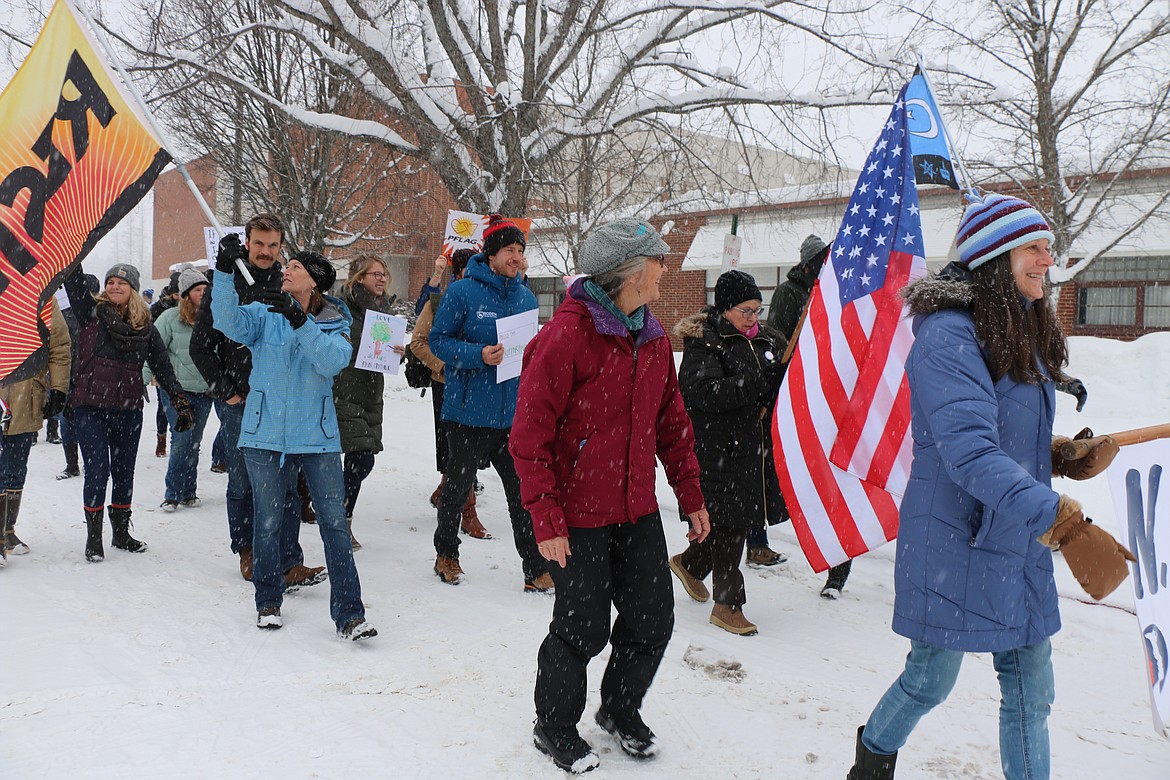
column 273, row 487
column 1027, row 690
column 108, row 439
column 240, row 509
column 183, row 467
column 14, row 452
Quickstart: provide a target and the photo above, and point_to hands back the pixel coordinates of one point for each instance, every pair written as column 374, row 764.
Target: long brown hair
column 1016, row 337
column 187, row 310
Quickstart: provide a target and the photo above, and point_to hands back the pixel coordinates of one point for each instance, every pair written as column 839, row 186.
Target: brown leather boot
column 438, row 492
column 730, row 618
column 470, row 524
column 353, row 542
column 448, row 569
column 302, row 576
column 160, row 449
column 307, row 513
column 691, row 584
column 246, row 563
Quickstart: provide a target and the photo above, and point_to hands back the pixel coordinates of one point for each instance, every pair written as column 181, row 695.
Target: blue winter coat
column 970, row 574
column 464, row 325
column 290, row 404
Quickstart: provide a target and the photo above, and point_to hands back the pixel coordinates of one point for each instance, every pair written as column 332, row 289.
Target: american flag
column 843, row 415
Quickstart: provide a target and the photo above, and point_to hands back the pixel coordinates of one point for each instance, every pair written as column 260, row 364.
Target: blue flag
column 928, row 144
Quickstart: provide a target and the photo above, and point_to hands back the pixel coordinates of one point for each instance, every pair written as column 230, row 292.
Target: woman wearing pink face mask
column 729, row 377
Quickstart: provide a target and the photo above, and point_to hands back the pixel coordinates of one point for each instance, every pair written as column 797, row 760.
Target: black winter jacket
column 729, row 385
column 357, row 393
column 225, row 364
column 790, row 297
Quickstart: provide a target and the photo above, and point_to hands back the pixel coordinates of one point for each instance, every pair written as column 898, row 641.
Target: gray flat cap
column 614, row 243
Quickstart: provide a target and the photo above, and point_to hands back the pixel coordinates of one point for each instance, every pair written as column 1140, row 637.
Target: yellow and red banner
column 75, row 157
column 464, row 230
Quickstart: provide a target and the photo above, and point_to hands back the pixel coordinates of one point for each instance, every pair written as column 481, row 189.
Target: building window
column 1156, row 309
column 1107, row 306
column 549, row 292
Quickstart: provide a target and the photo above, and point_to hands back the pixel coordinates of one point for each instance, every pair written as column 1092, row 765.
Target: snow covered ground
column 150, row 666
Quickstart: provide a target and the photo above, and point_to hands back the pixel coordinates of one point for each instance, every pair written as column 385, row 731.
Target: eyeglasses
column 376, row 274
column 660, row 259
column 751, row 314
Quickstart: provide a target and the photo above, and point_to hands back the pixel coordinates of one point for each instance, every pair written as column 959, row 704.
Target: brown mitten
column 1096, row 560
column 1096, row 461
column 1093, row 556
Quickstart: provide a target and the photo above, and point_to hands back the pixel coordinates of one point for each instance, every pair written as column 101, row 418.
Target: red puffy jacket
column 595, row 406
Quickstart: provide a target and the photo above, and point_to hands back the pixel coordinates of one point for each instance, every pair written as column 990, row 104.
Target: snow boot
column 356, row 629
column 94, row 521
column 730, row 618
column 269, row 619
column 634, row 736
column 52, row 432
column 120, row 520
column 470, row 524
column 160, row 447
column 246, row 563
column 764, row 556
column 302, row 576
column 691, row 584
column 353, row 542
column 72, row 469
column 871, row 766
column 835, row 583
column 308, row 515
column 542, row 584
column 565, row 747
column 12, row 543
column 438, row 492
column 448, row 569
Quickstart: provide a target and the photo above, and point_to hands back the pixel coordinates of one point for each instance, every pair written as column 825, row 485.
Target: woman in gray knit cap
column 598, row 402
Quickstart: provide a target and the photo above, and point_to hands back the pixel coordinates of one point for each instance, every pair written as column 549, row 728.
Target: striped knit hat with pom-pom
column 995, row 224
column 500, row 233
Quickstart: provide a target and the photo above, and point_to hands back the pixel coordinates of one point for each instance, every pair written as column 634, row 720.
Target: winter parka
column 226, row 364
column 729, row 384
column 357, row 393
column 176, row 336
column 290, row 406
column 26, row 399
column 596, row 407
column 969, row 574
column 110, row 377
column 466, row 323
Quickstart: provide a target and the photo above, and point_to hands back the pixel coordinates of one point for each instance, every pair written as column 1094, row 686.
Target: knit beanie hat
column 733, row 288
column 124, row 271
column 813, row 246
column 614, row 243
column 500, row 233
column 995, row 224
column 322, row 271
column 189, row 279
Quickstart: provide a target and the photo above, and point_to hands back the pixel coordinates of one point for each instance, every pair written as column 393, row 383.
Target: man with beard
column 227, row 365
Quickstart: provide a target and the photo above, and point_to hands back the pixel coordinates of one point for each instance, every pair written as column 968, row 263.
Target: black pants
column 624, row 565
column 467, row 447
column 719, row 555
column 440, row 427
column 357, row 466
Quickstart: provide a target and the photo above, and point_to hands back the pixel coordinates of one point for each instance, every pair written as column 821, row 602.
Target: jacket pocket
column 253, row 411
column 328, row 419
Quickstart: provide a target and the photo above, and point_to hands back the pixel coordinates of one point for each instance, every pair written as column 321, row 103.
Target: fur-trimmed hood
column 950, row 288
column 690, row 327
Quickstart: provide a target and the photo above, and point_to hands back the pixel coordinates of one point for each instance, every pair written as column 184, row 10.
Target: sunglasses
column 660, row 259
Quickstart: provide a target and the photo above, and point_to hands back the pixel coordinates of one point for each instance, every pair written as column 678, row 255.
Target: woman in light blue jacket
column 979, row 518
column 299, row 339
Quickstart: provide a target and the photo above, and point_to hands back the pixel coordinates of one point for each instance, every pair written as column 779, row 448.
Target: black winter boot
column 871, row 766
column 12, row 543
column 72, row 469
column 94, row 553
column 120, row 520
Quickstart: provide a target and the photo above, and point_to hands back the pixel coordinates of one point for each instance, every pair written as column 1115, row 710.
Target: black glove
column 230, row 250
column 284, row 305
column 185, row 417
column 54, row 403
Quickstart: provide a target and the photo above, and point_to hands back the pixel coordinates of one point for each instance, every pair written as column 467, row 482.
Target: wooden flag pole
column 1079, row 448
column 133, row 90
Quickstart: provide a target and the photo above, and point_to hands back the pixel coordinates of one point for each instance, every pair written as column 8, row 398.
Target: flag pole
column 129, row 84
column 970, row 187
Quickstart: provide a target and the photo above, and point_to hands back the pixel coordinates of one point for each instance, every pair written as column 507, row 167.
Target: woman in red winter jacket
column 598, row 402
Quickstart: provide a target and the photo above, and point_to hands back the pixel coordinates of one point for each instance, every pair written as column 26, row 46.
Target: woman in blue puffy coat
column 300, row 341
column 979, row 519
